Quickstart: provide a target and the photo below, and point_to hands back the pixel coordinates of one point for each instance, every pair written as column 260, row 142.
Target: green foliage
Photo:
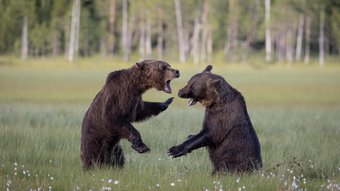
column 295, row 112
column 50, row 20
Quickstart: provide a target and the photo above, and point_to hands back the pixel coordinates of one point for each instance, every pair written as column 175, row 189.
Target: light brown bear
column 116, row 106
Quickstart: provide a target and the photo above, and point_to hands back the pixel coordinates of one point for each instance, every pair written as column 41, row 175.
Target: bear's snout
column 177, row 73
column 182, row 93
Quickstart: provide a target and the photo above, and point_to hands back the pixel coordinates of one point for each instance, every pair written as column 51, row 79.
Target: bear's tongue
column 167, row 87
column 192, row 101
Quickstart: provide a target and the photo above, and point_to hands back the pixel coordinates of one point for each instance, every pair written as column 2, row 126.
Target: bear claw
column 176, row 152
column 165, row 104
column 141, row 148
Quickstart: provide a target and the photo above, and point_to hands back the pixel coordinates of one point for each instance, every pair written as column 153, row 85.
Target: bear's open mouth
column 192, row 101
column 167, row 87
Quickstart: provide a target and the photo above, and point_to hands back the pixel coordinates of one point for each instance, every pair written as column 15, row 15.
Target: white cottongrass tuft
column 108, row 188
column 294, row 185
column 238, row 179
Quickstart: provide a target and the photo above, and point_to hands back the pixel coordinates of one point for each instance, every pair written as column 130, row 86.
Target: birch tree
column 321, row 36
column 181, row 42
column 26, row 8
column 74, row 34
column 24, row 38
column 307, row 37
column 268, row 36
column 205, row 30
column 196, row 34
column 299, row 38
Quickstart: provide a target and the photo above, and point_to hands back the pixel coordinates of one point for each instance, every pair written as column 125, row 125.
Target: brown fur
column 117, row 104
column 227, row 131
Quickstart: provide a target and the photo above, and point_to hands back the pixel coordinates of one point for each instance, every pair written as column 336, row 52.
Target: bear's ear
column 208, row 68
column 216, row 83
column 140, row 65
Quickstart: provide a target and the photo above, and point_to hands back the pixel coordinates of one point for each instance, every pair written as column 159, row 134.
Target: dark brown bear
column 116, row 106
column 227, row 130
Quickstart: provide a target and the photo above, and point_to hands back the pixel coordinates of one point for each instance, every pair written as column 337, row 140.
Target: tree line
column 190, row 30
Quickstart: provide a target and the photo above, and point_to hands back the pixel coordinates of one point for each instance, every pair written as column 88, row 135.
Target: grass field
column 295, row 111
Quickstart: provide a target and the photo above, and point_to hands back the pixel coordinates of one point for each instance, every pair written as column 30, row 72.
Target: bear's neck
column 139, row 82
column 228, row 94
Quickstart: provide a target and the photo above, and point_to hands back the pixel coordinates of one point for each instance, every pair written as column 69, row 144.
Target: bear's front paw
column 177, row 151
column 140, row 148
column 166, row 103
column 169, row 101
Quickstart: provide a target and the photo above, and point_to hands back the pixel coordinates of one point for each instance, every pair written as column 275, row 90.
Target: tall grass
column 296, row 113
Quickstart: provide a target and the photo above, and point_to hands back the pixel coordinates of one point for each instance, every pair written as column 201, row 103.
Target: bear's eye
column 163, row 67
column 191, row 89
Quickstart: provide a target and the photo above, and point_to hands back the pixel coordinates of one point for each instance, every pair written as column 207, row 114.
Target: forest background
column 198, row 31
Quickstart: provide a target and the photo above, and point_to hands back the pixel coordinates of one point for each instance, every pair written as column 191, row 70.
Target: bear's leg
column 152, row 109
column 202, row 139
column 117, row 156
column 87, row 162
column 105, row 152
column 91, row 154
column 133, row 136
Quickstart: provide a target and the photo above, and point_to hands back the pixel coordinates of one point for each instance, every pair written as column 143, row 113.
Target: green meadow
column 295, row 111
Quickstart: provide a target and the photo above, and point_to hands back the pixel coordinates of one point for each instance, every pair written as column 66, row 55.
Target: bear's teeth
column 192, row 101
column 167, row 87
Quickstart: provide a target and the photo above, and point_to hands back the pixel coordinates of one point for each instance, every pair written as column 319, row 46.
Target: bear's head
column 158, row 74
column 205, row 87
